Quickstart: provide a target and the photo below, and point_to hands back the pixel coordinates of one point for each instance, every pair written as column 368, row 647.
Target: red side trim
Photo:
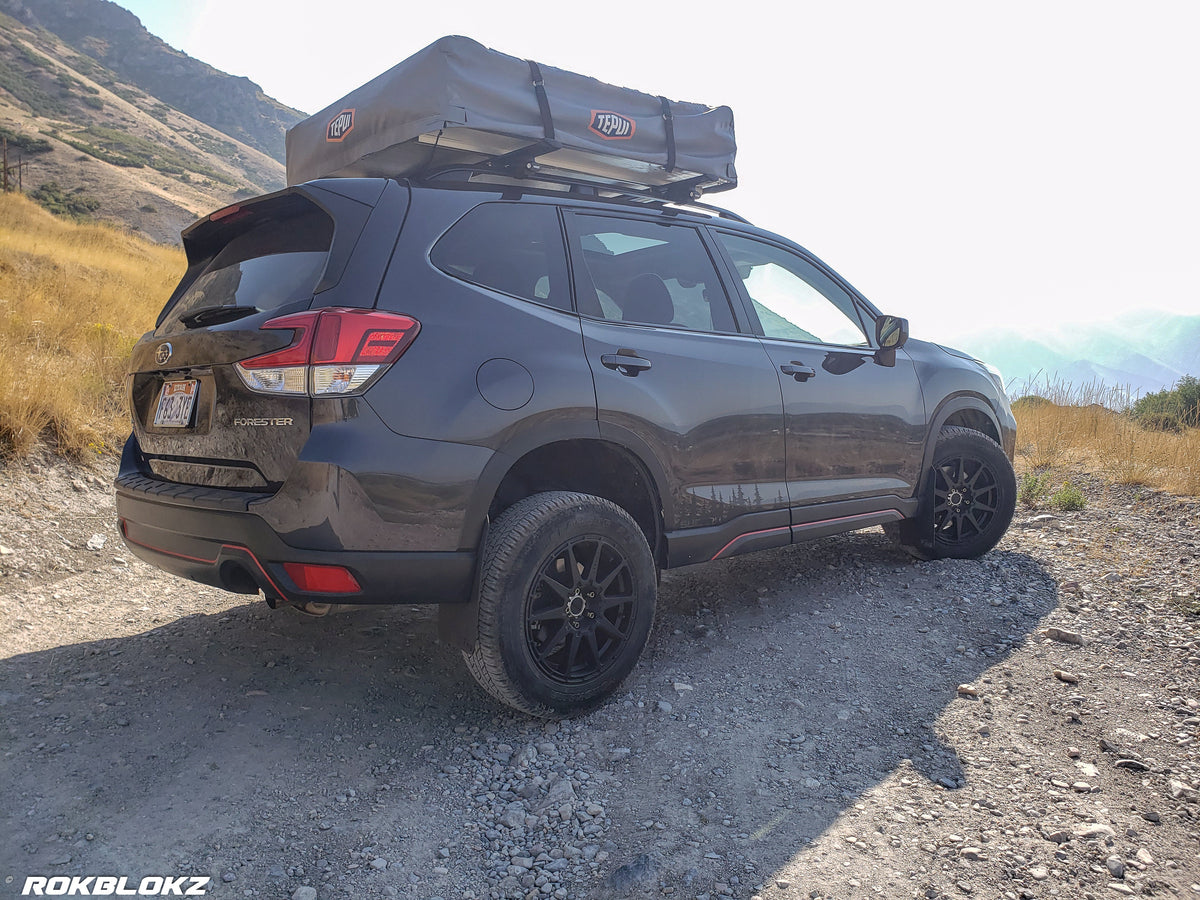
column 207, row 562
column 866, row 515
column 750, row 534
column 125, row 534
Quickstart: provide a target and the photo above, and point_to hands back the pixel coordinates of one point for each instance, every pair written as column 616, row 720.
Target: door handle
column 798, row 370
column 626, row 362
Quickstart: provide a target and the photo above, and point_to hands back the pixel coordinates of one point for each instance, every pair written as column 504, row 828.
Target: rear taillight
column 333, row 351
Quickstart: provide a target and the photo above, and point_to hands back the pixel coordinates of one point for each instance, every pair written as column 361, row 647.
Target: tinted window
column 515, row 248
column 649, row 273
column 793, row 298
column 274, row 254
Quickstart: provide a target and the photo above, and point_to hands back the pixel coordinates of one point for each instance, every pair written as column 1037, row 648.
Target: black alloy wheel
column 970, row 497
column 567, row 589
column 580, row 611
column 966, row 497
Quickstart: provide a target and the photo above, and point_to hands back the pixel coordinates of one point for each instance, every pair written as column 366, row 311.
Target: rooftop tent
column 458, row 104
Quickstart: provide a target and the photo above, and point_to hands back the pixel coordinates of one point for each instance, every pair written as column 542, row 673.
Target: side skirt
column 777, row 528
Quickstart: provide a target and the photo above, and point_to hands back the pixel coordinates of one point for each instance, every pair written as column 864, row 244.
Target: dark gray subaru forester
column 522, row 404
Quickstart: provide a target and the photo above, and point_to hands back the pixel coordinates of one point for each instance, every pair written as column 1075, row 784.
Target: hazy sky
column 971, row 166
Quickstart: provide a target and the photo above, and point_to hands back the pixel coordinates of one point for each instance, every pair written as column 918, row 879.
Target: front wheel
column 969, row 503
column 567, row 591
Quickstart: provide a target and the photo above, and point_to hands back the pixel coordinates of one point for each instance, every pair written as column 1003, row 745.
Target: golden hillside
column 73, row 122
column 73, row 300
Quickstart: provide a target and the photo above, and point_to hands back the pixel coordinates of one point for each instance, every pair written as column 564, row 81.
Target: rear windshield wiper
column 216, row 315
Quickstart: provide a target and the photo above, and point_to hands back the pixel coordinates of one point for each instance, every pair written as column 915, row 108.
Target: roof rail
column 522, row 168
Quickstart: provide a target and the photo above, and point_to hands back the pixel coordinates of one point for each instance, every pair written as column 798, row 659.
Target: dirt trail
column 826, row 720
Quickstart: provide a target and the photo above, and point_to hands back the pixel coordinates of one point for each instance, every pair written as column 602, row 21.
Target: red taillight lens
column 362, row 336
column 322, row 579
column 294, row 354
column 334, row 351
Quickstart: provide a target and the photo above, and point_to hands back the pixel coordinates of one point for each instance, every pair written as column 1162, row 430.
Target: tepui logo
column 611, row 126
column 340, row 126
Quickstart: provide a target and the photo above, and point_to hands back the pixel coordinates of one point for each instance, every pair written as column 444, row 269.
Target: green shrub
column 1170, row 410
column 1034, row 486
column 24, row 143
column 75, row 205
column 1068, row 498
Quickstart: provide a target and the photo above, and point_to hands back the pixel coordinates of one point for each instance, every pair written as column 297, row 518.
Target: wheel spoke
column 572, row 650
column 548, row 648
column 590, row 640
column 974, row 478
column 574, row 566
column 610, row 601
column 555, row 612
column 561, row 590
column 620, row 567
column 594, row 567
column 603, row 624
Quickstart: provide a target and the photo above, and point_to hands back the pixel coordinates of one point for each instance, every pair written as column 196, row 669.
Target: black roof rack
column 523, row 168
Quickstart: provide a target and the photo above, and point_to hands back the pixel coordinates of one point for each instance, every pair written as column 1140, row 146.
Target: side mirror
column 891, row 333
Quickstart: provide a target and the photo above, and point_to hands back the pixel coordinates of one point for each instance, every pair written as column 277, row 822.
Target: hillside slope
column 147, row 165
column 114, row 38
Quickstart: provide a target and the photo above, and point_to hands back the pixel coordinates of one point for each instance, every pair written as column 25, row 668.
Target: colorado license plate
column 175, row 404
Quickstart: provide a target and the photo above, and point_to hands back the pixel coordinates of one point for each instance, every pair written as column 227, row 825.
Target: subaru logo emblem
column 163, row 353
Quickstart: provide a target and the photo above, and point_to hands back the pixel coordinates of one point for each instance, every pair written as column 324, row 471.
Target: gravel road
column 825, row 720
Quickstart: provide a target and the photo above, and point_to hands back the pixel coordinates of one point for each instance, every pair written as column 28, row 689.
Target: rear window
column 515, row 248
column 273, row 256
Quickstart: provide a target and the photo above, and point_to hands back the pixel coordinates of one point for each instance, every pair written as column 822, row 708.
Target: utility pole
column 17, row 168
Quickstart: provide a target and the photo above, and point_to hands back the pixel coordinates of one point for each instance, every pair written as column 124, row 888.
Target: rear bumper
column 225, row 546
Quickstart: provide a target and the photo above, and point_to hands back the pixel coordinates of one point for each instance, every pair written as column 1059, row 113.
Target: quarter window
column 515, row 248
column 648, row 273
column 793, row 298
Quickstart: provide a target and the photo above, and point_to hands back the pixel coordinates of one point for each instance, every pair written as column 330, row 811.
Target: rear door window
column 514, row 248
column 648, row 273
column 274, row 255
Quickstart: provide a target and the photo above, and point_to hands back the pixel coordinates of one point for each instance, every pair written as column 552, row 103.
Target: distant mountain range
column 1142, row 351
column 92, row 101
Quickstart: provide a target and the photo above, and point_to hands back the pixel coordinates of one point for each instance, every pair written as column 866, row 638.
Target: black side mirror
column 891, row 333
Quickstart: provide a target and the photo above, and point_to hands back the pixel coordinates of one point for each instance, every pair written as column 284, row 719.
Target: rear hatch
column 215, row 396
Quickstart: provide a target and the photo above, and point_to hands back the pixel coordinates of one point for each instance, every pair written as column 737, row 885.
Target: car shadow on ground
column 798, row 679
column 776, row 688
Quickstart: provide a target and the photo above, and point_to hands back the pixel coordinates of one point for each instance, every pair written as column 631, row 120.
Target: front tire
column 969, row 502
column 567, row 591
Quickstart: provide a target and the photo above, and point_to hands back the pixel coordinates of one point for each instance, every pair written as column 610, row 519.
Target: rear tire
column 969, row 501
column 567, row 591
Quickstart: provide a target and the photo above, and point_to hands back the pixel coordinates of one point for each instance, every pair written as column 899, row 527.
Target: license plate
column 175, row 404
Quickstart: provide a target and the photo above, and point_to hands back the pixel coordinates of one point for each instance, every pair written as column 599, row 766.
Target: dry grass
column 1085, row 427
column 73, row 300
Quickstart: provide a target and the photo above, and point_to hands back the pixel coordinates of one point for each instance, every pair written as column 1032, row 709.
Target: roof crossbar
column 522, row 165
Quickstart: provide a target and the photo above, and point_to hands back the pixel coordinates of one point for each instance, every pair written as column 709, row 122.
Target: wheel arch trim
column 955, row 403
column 508, row 455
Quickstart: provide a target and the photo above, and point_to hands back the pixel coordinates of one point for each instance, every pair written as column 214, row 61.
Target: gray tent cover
column 458, row 103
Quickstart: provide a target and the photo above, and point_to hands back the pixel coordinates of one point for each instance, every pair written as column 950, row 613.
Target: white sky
column 971, row 166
